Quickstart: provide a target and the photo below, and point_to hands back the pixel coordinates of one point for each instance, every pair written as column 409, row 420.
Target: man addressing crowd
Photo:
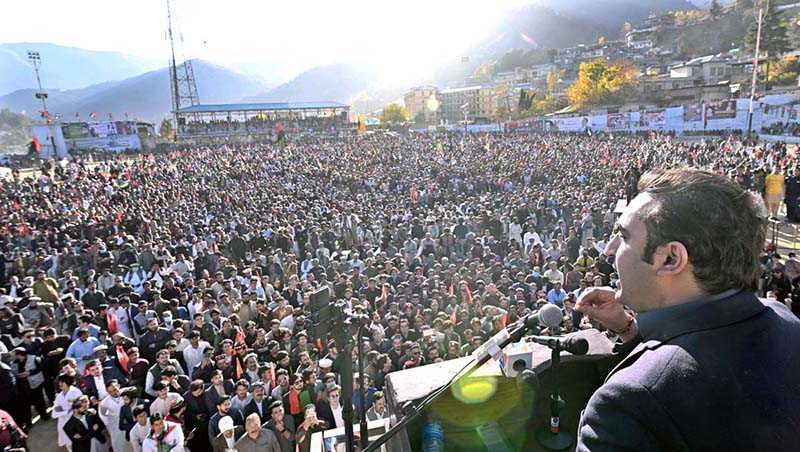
column 710, row 366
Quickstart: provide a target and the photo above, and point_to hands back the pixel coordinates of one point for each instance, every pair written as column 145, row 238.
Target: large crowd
column 162, row 302
column 782, row 128
column 264, row 124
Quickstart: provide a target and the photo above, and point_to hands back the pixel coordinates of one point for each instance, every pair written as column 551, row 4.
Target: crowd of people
column 791, row 129
column 163, row 301
column 257, row 124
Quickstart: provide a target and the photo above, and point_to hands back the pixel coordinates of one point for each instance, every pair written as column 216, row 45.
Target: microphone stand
column 552, row 437
column 491, row 348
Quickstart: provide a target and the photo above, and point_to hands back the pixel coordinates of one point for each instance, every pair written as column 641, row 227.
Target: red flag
column 23, row 228
column 119, row 217
column 239, row 336
column 503, row 320
column 454, row 316
column 384, row 296
column 36, row 145
column 239, row 370
column 272, row 375
column 16, row 205
column 93, row 115
column 122, row 357
column 111, row 320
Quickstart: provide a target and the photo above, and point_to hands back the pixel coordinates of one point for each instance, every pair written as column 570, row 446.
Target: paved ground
column 43, row 437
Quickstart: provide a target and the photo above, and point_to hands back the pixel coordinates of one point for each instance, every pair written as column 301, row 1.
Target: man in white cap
column 325, row 365
column 229, row 433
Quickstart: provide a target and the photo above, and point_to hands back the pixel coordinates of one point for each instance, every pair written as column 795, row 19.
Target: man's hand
column 600, row 304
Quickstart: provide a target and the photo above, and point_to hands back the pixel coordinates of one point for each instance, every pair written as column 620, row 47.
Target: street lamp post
column 464, row 109
column 760, row 19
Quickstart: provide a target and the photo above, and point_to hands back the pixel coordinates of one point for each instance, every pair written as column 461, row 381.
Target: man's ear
column 670, row 259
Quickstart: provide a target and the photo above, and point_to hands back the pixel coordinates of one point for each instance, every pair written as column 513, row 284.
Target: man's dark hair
column 139, row 409
column 719, row 223
column 275, row 404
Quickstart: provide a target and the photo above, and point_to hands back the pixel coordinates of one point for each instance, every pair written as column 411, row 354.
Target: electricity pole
column 760, row 19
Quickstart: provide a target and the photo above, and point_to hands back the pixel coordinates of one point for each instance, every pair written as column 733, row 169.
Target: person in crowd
column 109, row 411
column 378, row 409
column 30, row 384
column 82, row 349
column 256, row 438
column 310, row 425
column 282, row 425
column 62, row 407
column 84, row 428
column 228, row 436
column 163, row 435
column 140, row 428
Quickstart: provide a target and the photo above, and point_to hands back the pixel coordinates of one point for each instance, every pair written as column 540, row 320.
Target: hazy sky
column 298, row 33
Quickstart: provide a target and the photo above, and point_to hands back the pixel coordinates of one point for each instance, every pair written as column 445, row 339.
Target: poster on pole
column 618, row 121
column 721, row 109
column 692, row 112
column 576, row 123
column 75, row 130
column 653, row 118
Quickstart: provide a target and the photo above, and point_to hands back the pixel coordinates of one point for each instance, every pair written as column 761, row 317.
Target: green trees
column 393, row 114
column 715, row 9
column 774, row 36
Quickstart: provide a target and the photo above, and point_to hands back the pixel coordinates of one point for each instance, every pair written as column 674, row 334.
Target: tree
column 393, row 114
column 715, row 9
column 485, row 71
column 502, row 93
column 601, row 40
column 166, row 130
column 600, row 83
column 553, row 79
column 15, row 132
column 774, row 37
column 785, row 71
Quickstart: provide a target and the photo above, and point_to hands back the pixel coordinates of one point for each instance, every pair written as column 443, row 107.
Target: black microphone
column 573, row 344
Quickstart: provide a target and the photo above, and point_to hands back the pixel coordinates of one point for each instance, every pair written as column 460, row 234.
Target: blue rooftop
column 268, row 106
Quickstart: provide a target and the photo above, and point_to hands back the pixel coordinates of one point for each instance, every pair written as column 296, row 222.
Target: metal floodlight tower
column 182, row 84
column 36, row 62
